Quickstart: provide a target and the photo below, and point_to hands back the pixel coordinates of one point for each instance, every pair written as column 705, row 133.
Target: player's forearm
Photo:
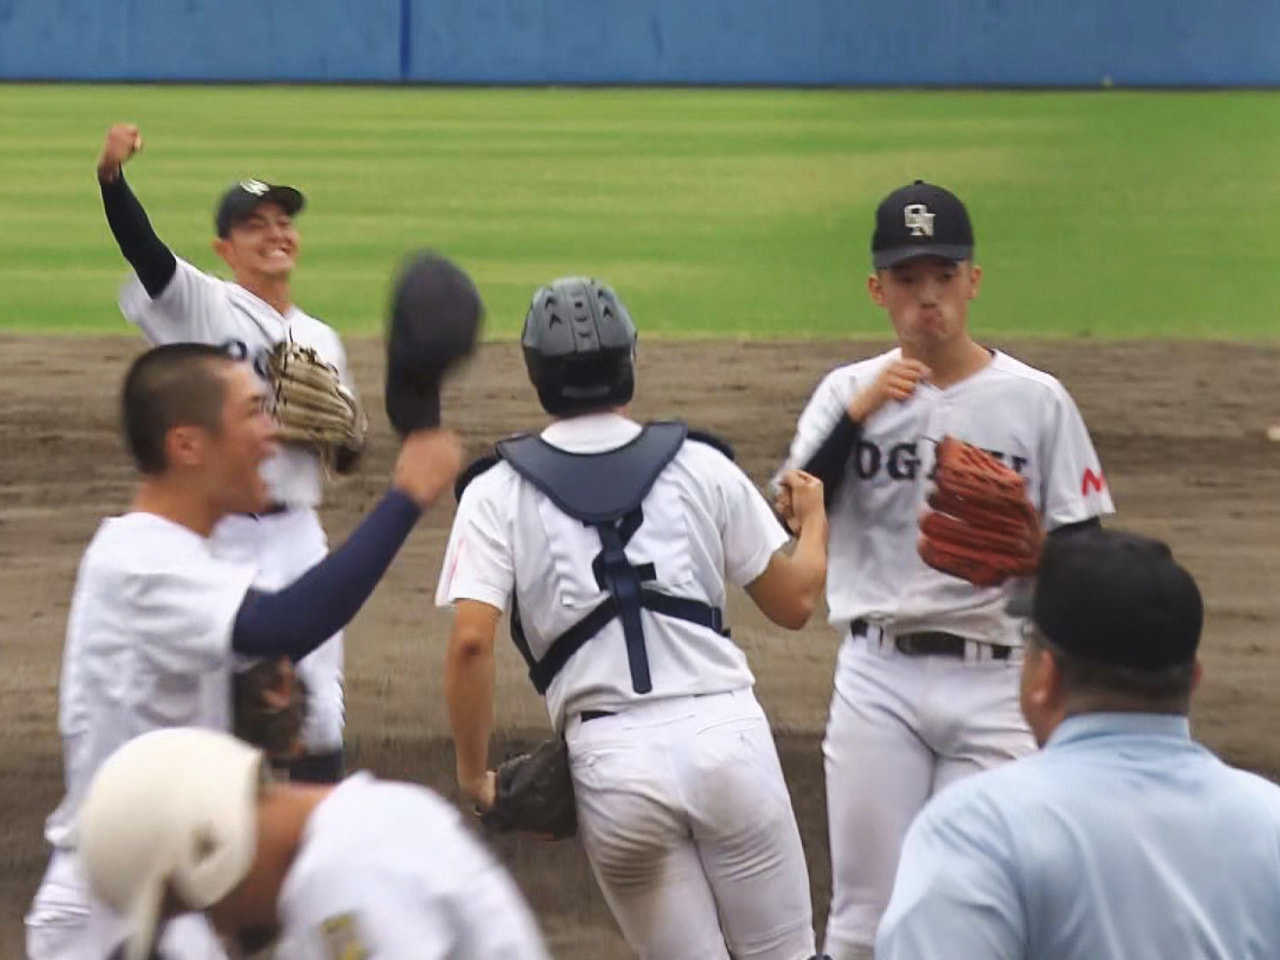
column 809, row 565
column 297, row 619
column 153, row 262
column 468, row 688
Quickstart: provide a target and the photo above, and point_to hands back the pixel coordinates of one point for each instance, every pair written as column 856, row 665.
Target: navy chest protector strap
column 605, row 491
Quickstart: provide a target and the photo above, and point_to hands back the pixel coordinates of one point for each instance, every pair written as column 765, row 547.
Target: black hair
column 178, row 384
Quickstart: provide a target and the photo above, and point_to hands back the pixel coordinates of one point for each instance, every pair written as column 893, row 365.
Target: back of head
column 1121, row 614
column 172, row 811
column 177, row 384
column 579, row 347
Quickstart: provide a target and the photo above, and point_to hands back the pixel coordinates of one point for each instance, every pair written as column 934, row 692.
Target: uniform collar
column 591, row 432
column 1089, row 726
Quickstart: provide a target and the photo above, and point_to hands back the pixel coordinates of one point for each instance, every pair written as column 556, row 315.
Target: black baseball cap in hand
column 1115, row 598
column 242, row 198
column 920, row 220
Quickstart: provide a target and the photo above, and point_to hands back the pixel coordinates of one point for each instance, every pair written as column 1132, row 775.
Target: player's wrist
column 859, row 409
column 473, row 784
column 108, row 172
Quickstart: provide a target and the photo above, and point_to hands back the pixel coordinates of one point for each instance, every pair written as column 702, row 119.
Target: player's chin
column 255, row 499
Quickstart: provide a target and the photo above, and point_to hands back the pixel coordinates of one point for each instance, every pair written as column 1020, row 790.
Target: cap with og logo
column 920, row 220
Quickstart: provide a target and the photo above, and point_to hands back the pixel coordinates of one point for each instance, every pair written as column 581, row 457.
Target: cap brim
column 883, row 259
column 290, row 198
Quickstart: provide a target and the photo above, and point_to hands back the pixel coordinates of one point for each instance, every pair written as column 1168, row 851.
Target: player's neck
column 283, row 813
column 169, row 498
column 953, row 362
column 273, row 291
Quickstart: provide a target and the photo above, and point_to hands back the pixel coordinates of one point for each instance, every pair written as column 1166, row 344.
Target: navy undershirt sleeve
column 302, row 616
column 828, row 463
column 152, row 261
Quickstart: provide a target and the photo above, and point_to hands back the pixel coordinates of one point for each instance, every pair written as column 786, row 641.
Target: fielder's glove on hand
column 982, row 526
column 269, row 707
column 534, row 794
column 312, row 406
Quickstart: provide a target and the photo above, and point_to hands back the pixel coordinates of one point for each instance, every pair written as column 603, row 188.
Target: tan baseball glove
column 981, row 526
column 312, row 406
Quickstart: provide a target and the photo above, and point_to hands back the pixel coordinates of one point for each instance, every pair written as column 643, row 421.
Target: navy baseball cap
column 920, row 220
column 242, row 198
column 1114, row 598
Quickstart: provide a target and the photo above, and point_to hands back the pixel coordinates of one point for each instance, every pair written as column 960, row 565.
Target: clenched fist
column 799, row 500
column 123, row 141
column 897, row 381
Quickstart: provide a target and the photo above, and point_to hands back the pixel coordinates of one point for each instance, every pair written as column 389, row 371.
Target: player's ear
column 876, row 288
column 184, row 446
column 222, row 247
column 975, row 279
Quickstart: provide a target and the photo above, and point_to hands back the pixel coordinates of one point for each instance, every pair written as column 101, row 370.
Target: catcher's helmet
column 579, row 347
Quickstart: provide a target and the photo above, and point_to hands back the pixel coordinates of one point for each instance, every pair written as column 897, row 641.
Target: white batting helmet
column 172, row 809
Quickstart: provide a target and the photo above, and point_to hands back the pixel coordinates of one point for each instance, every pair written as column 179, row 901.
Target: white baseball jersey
column 148, row 646
column 199, row 308
column 387, row 871
column 704, row 523
column 1023, row 416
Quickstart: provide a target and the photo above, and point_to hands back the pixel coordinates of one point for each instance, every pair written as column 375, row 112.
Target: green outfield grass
column 715, row 213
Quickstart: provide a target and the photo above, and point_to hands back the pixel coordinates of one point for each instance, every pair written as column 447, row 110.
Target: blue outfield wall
column 784, row 42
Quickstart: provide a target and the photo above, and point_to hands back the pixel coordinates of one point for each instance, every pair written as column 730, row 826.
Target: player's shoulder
column 141, row 539
column 376, row 823
column 707, row 450
column 862, row 369
column 1024, row 375
column 486, row 479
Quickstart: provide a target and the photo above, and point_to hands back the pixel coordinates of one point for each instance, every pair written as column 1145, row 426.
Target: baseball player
column 367, row 869
column 157, row 615
column 926, row 677
column 172, row 301
column 611, row 543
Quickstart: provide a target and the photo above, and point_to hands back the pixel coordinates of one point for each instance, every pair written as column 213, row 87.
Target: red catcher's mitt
column 982, row 526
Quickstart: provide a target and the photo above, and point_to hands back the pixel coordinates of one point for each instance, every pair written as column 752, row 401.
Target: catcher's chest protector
column 605, row 491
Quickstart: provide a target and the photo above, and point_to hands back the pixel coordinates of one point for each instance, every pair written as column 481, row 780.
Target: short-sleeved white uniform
column 148, row 646
column 682, row 807
column 389, row 872
column 200, row 308
column 903, row 727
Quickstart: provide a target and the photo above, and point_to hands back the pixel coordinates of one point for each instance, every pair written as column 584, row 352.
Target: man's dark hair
column 1122, row 689
column 178, row 384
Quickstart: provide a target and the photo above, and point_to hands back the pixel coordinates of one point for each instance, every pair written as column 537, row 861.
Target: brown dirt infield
column 1180, row 427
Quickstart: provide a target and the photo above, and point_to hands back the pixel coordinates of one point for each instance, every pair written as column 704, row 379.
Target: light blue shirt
column 1122, row 840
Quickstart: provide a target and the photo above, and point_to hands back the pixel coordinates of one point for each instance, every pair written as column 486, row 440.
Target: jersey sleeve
column 1074, row 487
column 751, row 533
column 479, row 563
column 193, row 308
column 954, row 894
column 818, row 419
column 184, row 615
